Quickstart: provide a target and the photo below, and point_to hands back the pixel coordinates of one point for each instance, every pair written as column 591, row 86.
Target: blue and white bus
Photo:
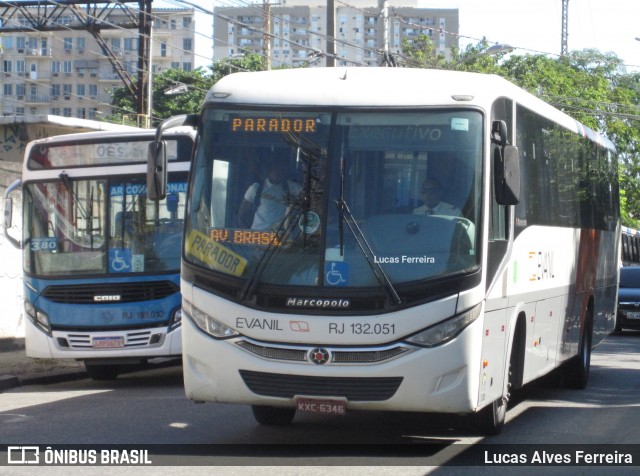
column 101, row 262
column 443, row 239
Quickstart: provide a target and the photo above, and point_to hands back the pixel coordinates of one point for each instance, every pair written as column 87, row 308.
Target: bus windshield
column 349, row 199
column 102, row 226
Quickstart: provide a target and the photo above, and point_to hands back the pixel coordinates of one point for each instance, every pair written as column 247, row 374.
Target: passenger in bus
column 431, row 196
column 265, row 203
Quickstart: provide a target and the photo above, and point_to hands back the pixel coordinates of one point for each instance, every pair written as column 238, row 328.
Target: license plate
column 633, row 315
column 107, row 342
column 325, row 406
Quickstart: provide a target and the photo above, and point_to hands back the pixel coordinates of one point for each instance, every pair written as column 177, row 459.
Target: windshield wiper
column 282, row 234
column 345, row 216
column 309, row 154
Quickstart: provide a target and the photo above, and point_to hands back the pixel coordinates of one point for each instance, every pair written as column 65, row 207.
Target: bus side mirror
column 8, row 213
column 506, row 166
column 157, row 156
column 157, row 171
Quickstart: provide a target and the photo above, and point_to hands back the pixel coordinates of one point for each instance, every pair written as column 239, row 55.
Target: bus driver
column 269, row 199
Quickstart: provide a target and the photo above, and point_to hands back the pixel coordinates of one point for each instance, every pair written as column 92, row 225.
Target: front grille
column 81, row 341
column 341, row 356
column 276, row 353
column 366, row 357
column 128, row 292
column 355, row 389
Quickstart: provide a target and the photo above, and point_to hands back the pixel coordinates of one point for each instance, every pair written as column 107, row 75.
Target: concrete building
column 66, row 73
column 298, row 31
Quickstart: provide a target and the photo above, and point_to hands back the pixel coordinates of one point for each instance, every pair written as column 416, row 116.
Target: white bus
column 101, row 262
column 442, row 238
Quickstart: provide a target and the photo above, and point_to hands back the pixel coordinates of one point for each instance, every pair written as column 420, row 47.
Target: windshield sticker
column 141, row 189
column 120, row 260
column 336, row 273
column 44, row 244
column 214, row 254
column 309, row 223
column 459, row 124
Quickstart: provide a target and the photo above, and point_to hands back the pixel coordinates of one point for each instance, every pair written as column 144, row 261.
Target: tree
column 594, row 89
column 247, row 62
column 590, row 86
column 420, row 52
column 195, row 83
column 163, row 105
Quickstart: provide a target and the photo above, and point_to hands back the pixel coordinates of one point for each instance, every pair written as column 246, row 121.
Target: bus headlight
column 176, row 319
column 207, row 323
column 39, row 318
column 445, row 330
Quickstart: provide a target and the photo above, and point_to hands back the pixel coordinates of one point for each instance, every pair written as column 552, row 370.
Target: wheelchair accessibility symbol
column 336, row 273
column 119, row 260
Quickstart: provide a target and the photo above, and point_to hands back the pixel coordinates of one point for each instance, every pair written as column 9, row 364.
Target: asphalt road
column 149, row 408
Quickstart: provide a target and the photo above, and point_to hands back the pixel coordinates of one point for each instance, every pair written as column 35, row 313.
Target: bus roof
column 102, row 135
column 381, row 87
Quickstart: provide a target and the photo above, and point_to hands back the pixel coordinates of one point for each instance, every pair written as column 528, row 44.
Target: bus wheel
column 102, row 372
column 273, row 416
column 576, row 371
column 490, row 420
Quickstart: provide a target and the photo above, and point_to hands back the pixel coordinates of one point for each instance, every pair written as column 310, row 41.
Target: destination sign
column 273, row 124
column 245, row 237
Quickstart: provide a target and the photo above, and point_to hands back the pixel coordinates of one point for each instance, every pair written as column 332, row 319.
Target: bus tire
column 490, row 420
column 102, row 372
column 273, row 416
column 576, row 372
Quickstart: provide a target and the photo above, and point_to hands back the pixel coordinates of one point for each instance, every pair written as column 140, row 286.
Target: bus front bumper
column 440, row 379
column 145, row 343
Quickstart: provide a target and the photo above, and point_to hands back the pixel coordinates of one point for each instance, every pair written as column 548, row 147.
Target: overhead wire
column 275, row 36
column 134, row 69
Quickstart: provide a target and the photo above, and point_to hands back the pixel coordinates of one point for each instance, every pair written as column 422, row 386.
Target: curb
column 8, row 382
column 11, row 381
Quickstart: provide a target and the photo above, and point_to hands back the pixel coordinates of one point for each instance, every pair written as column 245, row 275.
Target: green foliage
column 197, row 83
column 590, row 86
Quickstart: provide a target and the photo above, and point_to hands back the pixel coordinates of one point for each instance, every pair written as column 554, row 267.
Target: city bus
column 101, row 262
column 443, row 239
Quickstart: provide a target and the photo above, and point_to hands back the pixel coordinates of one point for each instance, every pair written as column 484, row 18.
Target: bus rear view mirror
column 8, row 213
column 507, row 175
column 157, row 156
column 157, row 171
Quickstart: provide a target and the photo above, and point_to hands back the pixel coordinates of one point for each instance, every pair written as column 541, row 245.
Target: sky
column 532, row 26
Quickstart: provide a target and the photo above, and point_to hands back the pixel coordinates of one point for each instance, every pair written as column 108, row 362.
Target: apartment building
column 298, row 31
column 66, row 73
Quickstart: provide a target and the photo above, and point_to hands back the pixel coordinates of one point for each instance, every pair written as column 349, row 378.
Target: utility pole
column 331, row 33
column 266, row 36
column 564, row 49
